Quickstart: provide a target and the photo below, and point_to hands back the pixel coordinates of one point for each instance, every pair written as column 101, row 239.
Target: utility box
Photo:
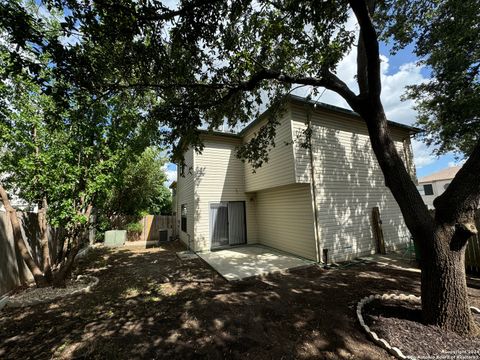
column 164, row 235
column 115, row 238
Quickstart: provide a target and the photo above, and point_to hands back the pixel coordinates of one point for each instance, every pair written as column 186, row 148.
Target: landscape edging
column 3, row 301
column 382, row 342
column 87, row 289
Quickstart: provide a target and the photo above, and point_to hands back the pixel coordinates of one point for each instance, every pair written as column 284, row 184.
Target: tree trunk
column 20, row 243
column 442, row 241
column 444, row 287
column 64, row 270
column 43, row 227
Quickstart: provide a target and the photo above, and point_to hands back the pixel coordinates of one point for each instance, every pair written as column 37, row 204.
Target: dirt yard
column 149, row 304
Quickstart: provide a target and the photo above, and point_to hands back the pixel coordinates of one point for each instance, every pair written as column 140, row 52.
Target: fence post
column 377, row 230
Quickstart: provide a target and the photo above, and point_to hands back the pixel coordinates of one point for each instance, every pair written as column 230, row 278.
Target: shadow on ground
column 150, row 304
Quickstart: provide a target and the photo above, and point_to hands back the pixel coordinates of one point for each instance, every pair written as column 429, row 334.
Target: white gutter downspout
column 313, row 187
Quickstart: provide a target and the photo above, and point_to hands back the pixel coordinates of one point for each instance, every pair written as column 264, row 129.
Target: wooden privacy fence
column 152, row 224
column 472, row 255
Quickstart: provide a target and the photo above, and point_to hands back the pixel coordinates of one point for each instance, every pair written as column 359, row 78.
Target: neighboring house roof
column 445, row 174
column 299, row 99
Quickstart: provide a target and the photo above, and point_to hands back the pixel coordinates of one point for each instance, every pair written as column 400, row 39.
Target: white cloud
column 393, row 87
column 171, row 173
column 422, row 155
column 456, row 163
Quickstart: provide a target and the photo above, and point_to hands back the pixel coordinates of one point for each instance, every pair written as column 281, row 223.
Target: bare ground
column 149, row 304
column 400, row 323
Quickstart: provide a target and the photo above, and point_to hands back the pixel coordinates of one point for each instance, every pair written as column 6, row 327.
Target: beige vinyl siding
column 349, row 183
column 219, row 177
column 285, row 219
column 185, row 195
column 280, row 168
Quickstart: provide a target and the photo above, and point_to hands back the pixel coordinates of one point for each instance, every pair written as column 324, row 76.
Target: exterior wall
column 280, row 168
column 185, row 195
column 438, row 189
column 349, row 183
column 279, row 196
column 219, row 176
column 285, row 219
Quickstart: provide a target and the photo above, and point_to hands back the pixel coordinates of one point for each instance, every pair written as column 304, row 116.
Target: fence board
column 472, row 254
column 152, row 224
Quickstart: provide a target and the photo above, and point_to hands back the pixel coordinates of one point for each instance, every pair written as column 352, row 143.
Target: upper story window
column 428, row 189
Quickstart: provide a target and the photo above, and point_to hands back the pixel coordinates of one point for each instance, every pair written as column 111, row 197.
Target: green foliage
column 196, row 58
column 446, row 36
column 217, row 61
column 68, row 149
column 140, row 187
column 134, row 227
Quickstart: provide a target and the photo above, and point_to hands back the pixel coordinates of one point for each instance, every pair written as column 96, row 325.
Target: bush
column 134, row 230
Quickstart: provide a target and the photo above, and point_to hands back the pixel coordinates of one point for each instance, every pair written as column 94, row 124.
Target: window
column 446, row 186
column 183, row 214
column 428, row 189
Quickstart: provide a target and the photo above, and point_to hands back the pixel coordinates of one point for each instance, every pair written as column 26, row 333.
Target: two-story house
column 435, row 184
column 302, row 202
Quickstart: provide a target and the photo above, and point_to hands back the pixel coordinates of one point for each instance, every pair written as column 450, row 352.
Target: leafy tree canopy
column 68, row 150
column 216, row 61
column 446, row 38
column 140, row 187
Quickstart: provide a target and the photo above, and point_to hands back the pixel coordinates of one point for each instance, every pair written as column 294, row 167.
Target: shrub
column 134, row 230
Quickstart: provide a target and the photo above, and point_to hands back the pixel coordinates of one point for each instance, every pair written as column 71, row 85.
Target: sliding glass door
column 227, row 224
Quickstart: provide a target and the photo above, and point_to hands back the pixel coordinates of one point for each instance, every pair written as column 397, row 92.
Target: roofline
column 337, row 109
column 295, row 98
column 420, row 181
column 425, row 179
column 220, row 133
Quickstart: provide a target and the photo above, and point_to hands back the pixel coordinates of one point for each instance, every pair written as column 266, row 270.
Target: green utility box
column 115, row 238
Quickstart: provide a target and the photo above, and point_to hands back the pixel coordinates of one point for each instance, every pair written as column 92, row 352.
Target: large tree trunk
column 20, row 243
column 43, row 227
column 442, row 240
column 444, row 288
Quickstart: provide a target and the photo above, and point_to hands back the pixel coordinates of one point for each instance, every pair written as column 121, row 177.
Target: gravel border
column 17, row 303
column 382, row 342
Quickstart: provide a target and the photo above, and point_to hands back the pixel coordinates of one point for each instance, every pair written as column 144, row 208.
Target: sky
column 398, row 72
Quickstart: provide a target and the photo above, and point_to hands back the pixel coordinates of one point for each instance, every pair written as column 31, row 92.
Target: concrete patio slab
column 242, row 262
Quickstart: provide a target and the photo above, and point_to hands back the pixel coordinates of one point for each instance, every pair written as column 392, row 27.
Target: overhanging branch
column 328, row 80
column 370, row 46
column 463, row 193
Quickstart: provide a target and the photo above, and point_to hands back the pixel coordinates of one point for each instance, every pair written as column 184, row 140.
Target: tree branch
column 370, row 48
column 463, row 193
column 328, row 80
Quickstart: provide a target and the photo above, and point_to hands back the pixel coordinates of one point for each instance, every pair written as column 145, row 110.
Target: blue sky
column 433, row 163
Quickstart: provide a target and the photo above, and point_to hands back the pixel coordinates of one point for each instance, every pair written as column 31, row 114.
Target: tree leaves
column 445, row 34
